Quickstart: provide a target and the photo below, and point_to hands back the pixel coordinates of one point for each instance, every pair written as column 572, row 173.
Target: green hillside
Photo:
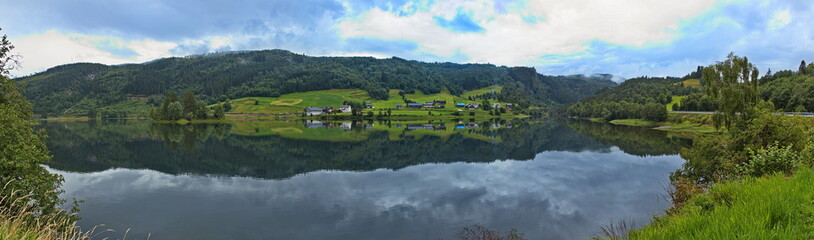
column 295, row 102
column 693, row 83
column 644, row 97
column 76, row 89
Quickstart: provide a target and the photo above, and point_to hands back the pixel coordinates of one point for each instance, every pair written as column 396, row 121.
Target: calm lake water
column 363, row 180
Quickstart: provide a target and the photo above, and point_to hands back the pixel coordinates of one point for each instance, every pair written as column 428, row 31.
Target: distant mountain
column 74, row 89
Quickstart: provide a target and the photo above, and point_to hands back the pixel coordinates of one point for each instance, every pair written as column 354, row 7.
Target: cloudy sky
column 622, row 37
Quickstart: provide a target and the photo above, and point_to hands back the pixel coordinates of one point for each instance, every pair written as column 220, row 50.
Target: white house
column 345, row 108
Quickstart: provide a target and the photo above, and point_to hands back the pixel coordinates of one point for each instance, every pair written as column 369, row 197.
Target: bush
column 654, row 112
column 771, row 160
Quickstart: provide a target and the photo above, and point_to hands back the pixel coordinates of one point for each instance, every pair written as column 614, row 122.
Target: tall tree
column 8, row 61
column 802, row 69
column 219, row 113
column 22, row 149
column 734, row 84
column 189, row 102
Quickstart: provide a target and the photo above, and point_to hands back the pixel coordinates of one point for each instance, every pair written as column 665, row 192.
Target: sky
column 626, row 38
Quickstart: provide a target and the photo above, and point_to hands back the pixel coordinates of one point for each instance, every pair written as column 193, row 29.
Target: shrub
column 770, row 160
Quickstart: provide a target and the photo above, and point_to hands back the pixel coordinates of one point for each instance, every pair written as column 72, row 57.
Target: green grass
column 676, row 100
column 493, row 88
column 420, row 97
column 295, row 102
column 693, row 83
column 681, row 124
column 772, row 207
column 635, row 122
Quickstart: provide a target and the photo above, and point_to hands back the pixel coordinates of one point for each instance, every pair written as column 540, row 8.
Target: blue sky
column 626, row 38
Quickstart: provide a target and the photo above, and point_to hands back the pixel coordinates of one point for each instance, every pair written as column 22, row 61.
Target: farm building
column 414, row 105
column 313, row 111
column 345, row 108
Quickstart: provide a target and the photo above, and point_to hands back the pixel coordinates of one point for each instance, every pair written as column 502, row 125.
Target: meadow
column 773, row 207
column 295, row 102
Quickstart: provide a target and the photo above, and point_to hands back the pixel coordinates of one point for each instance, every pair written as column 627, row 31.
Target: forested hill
column 642, row 97
column 270, row 73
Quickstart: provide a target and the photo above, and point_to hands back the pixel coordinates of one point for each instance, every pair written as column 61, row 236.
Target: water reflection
column 361, row 180
column 282, row 150
column 556, row 195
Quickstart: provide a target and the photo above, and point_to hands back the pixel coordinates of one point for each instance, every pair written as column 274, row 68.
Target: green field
column 676, row 100
column 693, row 83
column 635, row 122
column 493, row 88
column 295, row 102
column 773, row 207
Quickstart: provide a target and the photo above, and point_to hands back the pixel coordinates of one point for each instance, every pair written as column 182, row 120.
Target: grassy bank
column 679, row 123
column 193, row 121
column 19, row 221
column 772, row 207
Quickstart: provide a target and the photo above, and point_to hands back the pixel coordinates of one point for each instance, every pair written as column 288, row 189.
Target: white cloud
column 509, row 40
column 780, row 19
column 52, row 48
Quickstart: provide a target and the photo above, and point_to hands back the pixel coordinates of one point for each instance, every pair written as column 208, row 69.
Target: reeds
column 19, row 220
column 616, row 230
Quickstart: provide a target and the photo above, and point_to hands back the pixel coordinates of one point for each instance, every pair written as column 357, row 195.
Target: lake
column 361, row 180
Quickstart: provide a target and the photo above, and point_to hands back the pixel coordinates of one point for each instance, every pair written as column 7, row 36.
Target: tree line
column 271, row 73
column 187, row 107
column 788, row 90
column 638, row 98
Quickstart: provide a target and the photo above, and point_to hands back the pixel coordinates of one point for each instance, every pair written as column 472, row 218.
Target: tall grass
column 615, row 230
column 771, row 207
column 19, row 221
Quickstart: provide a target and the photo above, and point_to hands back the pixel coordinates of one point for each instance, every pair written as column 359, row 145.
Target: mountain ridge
column 270, row 73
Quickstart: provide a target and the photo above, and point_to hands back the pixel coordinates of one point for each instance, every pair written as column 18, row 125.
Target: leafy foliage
column 697, row 102
column 643, row 90
column 734, row 84
column 771, row 160
column 791, row 93
column 8, row 61
column 22, row 151
column 635, row 98
column 172, row 109
column 714, row 159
